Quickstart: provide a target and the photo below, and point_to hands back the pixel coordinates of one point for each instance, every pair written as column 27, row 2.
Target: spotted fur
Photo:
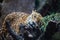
column 17, row 18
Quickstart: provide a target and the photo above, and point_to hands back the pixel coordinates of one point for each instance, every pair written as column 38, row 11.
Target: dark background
column 50, row 6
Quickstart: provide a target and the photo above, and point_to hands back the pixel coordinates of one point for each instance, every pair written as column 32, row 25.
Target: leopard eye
column 34, row 16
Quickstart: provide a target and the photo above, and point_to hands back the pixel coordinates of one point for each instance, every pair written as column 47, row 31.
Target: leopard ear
column 33, row 12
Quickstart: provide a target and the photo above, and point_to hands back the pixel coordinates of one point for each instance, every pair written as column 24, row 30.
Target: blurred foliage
column 54, row 10
column 53, row 17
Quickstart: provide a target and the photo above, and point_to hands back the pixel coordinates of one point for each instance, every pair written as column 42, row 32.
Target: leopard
column 17, row 18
